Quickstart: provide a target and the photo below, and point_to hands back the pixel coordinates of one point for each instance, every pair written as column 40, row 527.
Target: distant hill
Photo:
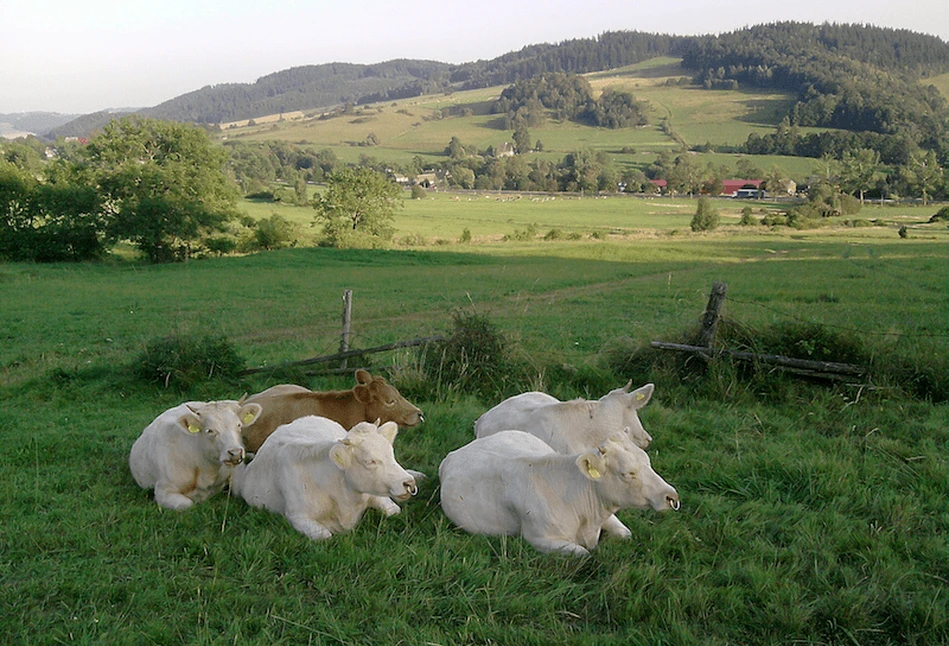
column 306, row 88
column 853, row 77
column 33, row 122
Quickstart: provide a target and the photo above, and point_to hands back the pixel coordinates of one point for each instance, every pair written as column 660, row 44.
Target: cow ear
column 362, row 394
column 341, row 455
column 249, row 413
column 190, row 423
column 363, row 376
column 389, row 430
column 592, row 464
column 641, row 396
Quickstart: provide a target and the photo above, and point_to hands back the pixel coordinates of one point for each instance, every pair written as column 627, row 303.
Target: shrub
column 940, row 215
column 775, row 220
column 465, row 236
column 706, row 217
column 475, row 359
column 522, row 235
column 275, row 232
column 184, row 360
column 554, row 234
column 747, row 219
column 418, row 193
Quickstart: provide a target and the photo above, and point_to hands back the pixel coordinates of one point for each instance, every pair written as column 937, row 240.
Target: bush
column 182, row 361
column 476, row 359
column 418, row 193
column 554, row 234
column 465, row 236
column 522, row 235
column 940, row 215
column 706, row 217
column 747, row 219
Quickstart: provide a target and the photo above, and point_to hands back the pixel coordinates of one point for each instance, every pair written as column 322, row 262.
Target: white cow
column 512, row 483
column 571, row 426
column 188, row 452
column 322, row 478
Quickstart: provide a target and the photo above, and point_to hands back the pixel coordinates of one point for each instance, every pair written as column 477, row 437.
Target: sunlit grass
column 810, row 514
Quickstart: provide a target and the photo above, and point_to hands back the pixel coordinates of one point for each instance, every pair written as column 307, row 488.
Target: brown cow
column 370, row 400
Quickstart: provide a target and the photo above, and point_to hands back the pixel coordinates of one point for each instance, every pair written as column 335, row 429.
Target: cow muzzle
column 409, row 490
column 234, row 457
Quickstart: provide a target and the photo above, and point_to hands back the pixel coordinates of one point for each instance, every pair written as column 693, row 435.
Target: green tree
column 777, row 181
column 299, row 188
column 706, row 216
column 162, row 185
column 746, row 169
column 47, row 221
column 357, row 207
column 922, row 174
column 522, row 138
column 860, row 170
column 275, row 232
column 581, row 170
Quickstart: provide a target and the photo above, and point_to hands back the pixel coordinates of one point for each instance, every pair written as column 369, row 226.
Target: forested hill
column 309, row 87
column 853, row 77
column 863, row 79
column 302, row 88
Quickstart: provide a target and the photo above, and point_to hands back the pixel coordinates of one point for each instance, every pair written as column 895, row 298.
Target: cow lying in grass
column 322, row 478
column 573, row 426
column 187, row 453
column 512, row 483
column 371, row 399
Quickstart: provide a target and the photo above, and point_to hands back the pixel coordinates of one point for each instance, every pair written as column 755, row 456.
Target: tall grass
column 817, row 516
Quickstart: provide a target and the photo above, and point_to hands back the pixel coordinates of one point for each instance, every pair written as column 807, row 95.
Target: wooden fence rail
column 344, row 355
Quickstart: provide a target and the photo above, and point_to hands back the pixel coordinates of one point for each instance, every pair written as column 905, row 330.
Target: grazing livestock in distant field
column 322, row 478
column 188, row 452
column 371, row 399
column 571, row 426
column 512, row 483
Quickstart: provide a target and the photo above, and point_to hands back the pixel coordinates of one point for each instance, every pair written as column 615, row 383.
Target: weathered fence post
column 347, row 319
column 710, row 317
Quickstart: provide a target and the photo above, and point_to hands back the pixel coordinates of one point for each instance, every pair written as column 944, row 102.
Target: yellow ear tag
column 593, row 473
column 193, row 429
column 248, row 418
column 640, row 397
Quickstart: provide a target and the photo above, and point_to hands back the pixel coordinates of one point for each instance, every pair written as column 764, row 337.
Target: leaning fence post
column 710, row 317
column 347, row 318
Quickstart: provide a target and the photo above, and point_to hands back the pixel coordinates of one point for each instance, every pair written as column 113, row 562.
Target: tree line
column 167, row 189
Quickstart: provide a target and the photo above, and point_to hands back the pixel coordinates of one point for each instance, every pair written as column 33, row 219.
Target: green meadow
column 812, row 513
column 417, row 127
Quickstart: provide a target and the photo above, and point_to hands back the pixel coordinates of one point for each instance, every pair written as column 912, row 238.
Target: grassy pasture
column 817, row 516
column 408, row 127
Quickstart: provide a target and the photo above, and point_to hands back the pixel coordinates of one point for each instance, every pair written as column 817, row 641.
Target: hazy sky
column 80, row 56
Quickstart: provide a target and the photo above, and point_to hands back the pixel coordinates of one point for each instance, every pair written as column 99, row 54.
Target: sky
column 77, row 57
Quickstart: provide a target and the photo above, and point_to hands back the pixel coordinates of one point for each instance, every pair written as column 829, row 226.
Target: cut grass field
column 810, row 514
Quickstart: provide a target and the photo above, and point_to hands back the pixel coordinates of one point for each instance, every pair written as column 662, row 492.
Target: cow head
column 625, row 478
column 384, row 402
column 365, row 455
column 218, row 425
column 624, row 405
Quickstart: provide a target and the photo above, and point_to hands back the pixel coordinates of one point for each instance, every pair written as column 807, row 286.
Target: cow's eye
column 629, row 475
column 211, row 431
column 391, row 402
